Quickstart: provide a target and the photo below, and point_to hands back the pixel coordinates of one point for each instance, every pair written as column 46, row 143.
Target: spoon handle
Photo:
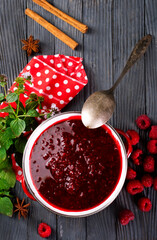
column 139, row 49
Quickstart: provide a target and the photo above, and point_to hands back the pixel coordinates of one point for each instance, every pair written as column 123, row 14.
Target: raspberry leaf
column 6, row 206
column 18, row 126
column 4, row 185
column 7, row 109
column 3, row 154
column 11, row 97
column 9, row 176
column 32, row 113
column 1, row 97
column 20, row 144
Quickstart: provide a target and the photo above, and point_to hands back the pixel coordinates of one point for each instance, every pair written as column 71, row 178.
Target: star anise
column 30, row 45
column 21, row 209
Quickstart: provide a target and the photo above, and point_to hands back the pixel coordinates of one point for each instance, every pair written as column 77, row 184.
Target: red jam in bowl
column 75, row 168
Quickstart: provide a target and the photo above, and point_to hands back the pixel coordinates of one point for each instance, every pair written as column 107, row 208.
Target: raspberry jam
column 75, row 168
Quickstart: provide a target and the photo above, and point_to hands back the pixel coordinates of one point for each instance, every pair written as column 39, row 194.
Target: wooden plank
column 12, row 60
column 151, row 97
column 13, row 29
column 128, row 28
column 37, row 212
column 33, row 28
column 69, row 228
column 98, row 56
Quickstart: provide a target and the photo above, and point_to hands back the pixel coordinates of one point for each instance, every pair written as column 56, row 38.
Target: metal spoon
column 99, row 106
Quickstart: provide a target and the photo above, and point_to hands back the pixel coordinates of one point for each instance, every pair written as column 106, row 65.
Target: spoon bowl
column 94, row 108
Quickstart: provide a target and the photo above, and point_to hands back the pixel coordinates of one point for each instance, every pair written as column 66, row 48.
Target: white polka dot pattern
column 46, row 71
column 59, row 65
column 68, row 90
column 70, row 64
column 77, row 87
column 38, row 74
column 36, row 65
column 59, row 93
column 57, row 78
column 56, row 84
column 28, row 67
column 39, row 83
column 54, row 76
column 78, row 74
column 50, row 96
column 48, row 88
column 65, row 81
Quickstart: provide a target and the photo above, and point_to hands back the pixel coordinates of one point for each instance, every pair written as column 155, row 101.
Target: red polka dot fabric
column 57, row 78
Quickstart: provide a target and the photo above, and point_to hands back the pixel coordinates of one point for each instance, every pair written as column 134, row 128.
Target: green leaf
column 2, row 123
column 9, row 176
column 33, row 96
column 20, row 144
column 4, row 185
column 31, row 124
column 6, row 206
column 7, row 109
column 11, row 97
column 20, row 80
column 49, row 115
column 5, row 193
column 17, row 126
column 3, row 154
column 1, row 96
column 5, row 164
column 31, row 105
column 32, row 113
column 21, row 106
column 9, row 119
column 28, row 101
column 6, row 138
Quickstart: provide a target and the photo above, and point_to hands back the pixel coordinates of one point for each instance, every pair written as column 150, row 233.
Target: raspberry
column 125, row 216
column 137, row 156
column 148, row 164
column 44, row 230
column 147, row 180
column 155, row 183
column 131, row 174
column 134, row 186
column 153, row 132
column 152, row 146
column 134, row 136
column 143, row 122
column 144, row 204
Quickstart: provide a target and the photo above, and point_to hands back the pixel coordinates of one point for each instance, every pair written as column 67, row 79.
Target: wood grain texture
column 129, row 27
column 98, row 56
column 38, row 213
column 151, row 98
column 12, row 60
column 114, row 28
column 13, row 29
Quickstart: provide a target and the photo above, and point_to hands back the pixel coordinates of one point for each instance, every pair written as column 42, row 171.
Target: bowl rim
column 28, row 179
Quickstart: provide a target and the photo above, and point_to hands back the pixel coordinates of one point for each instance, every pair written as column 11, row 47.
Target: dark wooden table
column 114, row 28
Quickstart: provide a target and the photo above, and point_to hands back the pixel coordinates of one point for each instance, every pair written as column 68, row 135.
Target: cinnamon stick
column 73, row 22
column 52, row 29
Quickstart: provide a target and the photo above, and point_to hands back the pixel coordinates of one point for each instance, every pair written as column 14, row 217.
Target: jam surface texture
column 75, row 168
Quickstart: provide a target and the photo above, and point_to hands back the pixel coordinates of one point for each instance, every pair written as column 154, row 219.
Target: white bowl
column 29, row 182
